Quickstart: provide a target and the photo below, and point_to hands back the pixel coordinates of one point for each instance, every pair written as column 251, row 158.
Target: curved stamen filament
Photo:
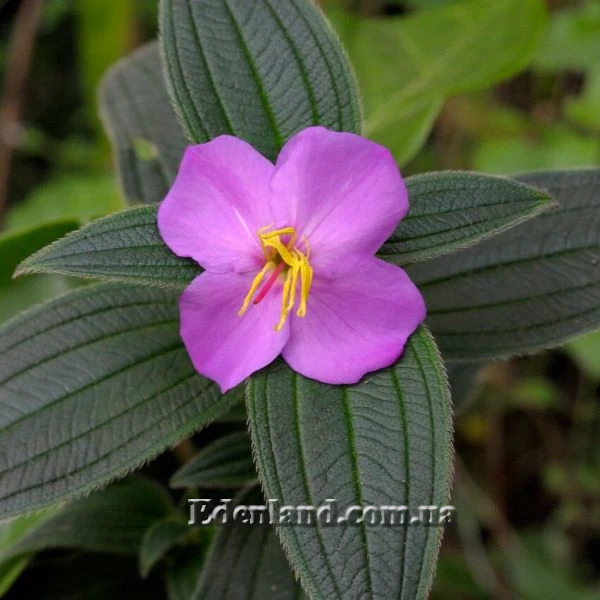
column 289, row 260
column 254, row 287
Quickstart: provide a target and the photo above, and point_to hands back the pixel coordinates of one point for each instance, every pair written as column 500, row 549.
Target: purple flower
column 288, row 252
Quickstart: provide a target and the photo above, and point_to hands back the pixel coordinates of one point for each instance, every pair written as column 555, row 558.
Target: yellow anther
column 254, row 287
column 287, row 260
column 278, row 245
column 294, row 272
column 284, row 301
column 306, row 274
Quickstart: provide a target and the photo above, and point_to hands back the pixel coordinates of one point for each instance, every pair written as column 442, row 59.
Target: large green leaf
column 449, row 210
column 529, row 288
column 143, row 128
column 247, row 562
column 91, row 385
column 385, row 441
column 123, row 247
column 408, row 65
column 112, row 521
column 260, row 70
column 226, row 462
column 453, row 209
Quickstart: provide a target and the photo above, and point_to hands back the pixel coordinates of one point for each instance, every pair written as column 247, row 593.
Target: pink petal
column 222, row 345
column 343, row 192
column 216, row 205
column 356, row 322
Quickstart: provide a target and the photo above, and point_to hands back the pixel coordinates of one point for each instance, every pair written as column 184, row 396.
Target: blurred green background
column 527, row 476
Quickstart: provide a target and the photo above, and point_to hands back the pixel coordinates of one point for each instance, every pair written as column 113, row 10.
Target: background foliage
column 498, row 87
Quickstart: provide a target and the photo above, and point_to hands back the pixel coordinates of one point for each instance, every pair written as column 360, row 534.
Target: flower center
column 283, row 258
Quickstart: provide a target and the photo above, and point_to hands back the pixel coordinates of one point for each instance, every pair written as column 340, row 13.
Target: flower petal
column 356, row 322
column 342, row 191
column 216, row 205
column 222, row 345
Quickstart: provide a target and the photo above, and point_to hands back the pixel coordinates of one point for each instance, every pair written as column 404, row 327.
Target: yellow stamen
column 294, row 266
column 284, row 301
column 254, row 287
column 294, row 272
column 306, row 274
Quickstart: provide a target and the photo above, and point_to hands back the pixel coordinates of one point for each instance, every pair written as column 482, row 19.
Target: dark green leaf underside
column 159, row 539
column 113, row 520
column 247, row 562
column 123, row 247
column 137, row 114
column 260, row 70
column 529, row 288
column 92, row 385
column 384, row 441
column 450, row 210
column 226, row 462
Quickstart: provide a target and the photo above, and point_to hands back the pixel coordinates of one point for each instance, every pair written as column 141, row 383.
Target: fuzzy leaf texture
column 449, row 210
column 147, row 139
column 529, row 288
column 384, row 441
column 224, row 463
column 247, row 562
column 92, row 385
column 259, row 70
column 112, row 521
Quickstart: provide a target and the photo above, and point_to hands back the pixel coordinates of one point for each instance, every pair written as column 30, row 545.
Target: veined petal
column 222, row 345
column 343, row 192
column 356, row 322
column 216, row 205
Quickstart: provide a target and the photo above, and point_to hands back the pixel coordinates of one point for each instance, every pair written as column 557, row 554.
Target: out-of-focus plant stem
column 17, row 69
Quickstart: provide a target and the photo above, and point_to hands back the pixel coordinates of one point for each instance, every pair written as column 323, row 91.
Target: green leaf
column 184, row 572
column 236, row 415
column 529, row 288
column 123, row 247
column 137, row 114
column 259, row 70
column 247, row 562
column 407, row 66
column 552, row 147
column 571, row 40
column 112, row 521
column 21, row 294
column 585, row 351
column 453, row 209
column 384, row 441
column 15, row 296
column 103, row 37
column 92, row 385
column 583, row 110
column 11, row 533
column 226, row 462
column 449, row 210
column 463, row 380
column 79, row 198
column 159, row 539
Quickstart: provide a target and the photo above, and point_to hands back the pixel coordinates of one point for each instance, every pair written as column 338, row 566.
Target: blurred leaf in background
column 407, row 66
